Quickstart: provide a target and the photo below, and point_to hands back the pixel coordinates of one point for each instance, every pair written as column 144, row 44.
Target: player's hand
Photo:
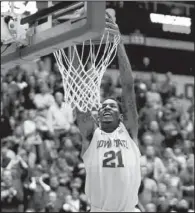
column 111, row 22
column 109, row 17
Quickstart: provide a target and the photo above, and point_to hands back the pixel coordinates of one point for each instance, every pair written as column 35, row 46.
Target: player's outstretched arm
column 130, row 115
column 128, row 93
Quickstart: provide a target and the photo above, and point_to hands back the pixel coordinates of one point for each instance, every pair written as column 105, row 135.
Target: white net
column 82, row 81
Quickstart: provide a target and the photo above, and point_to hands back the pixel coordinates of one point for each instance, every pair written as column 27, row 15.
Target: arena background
column 41, row 169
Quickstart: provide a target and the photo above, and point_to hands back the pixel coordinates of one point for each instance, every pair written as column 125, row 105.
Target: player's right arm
column 86, row 125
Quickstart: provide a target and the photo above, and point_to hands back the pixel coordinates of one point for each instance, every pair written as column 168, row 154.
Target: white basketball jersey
column 112, row 163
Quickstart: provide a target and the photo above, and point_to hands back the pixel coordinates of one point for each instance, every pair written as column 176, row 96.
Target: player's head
column 110, row 114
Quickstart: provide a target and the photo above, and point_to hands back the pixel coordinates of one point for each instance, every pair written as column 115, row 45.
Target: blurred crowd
column 41, row 167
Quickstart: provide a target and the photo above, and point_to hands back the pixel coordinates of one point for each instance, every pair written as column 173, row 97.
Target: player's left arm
column 130, row 115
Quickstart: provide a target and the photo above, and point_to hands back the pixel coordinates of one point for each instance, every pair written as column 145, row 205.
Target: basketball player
column 110, row 151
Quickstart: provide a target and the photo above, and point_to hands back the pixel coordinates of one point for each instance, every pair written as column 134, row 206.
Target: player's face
column 109, row 111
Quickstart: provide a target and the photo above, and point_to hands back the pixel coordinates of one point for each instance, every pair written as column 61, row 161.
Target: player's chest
column 115, row 152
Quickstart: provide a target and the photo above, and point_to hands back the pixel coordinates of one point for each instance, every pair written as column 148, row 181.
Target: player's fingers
column 112, row 26
column 109, row 16
column 110, row 22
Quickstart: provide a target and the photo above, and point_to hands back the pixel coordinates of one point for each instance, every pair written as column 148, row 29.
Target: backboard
column 58, row 26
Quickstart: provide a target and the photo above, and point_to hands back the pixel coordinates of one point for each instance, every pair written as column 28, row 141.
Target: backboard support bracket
column 60, row 36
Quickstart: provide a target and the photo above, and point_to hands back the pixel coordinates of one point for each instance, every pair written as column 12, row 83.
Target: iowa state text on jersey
column 109, row 144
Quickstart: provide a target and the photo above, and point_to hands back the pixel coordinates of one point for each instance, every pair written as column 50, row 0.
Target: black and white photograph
column 97, row 106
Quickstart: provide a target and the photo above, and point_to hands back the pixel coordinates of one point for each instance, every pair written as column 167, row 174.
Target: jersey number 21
column 110, row 156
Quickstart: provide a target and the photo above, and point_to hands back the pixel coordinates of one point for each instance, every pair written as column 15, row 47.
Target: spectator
column 53, row 204
column 149, row 191
column 59, row 165
column 5, row 125
column 140, row 91
column 169, row 159
column 146, row 64
column 61, row 190
column 28, row 153
column 168, row 88
column 183, row 206
column 158, row 137
column 29, row 92
column 187, row 179
column 44, row 99
column 7, row 155
column 187, row 147
column 20, row 79
column 41, row 73
column 151, row 207
column 162, row 200
column 72, row 202
column 146, row 140
column 154, row 81
column 11, row 194
column 60, row 117
column 37, row 192
column 107, row 86
column 52, row 82
column 6, row 100
column 148, row 113
column 153, row 96
column 13, row 90
column 17, row 139
column 186, row 125
column 176, row 108
column 170, row 128
column 154, row 164
column 30, row 129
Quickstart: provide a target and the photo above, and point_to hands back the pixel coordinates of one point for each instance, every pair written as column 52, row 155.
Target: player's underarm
column 130, row 116
column 129, row 105
column 128, row 94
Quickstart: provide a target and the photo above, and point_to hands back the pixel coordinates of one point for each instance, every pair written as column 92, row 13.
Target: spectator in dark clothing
column 6, row 100
column 5, row 125
column 29, row 92
column 168, row 89
column 170, row 128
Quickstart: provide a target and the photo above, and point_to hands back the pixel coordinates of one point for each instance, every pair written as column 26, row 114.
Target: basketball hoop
column 82, row 82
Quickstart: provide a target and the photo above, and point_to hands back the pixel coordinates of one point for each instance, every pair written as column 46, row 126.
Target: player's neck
column 109, row 128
